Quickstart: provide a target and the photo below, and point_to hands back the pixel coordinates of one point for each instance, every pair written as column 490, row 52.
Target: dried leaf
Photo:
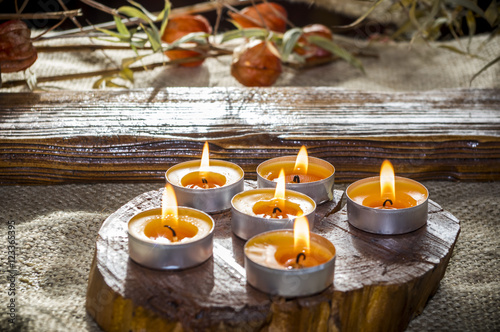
column 121, row 27
column 134, row 12
column 244, row 33
column 128, row 74
column 122, row 38
column 153, row 37
column 361, row 18
column 193, row 37
column 290, row 38
column 332, row 47
column 491, row 63
column 144, row 10
column 471, row 24
column 458, row 51
column 491, row 13
column 163, row 16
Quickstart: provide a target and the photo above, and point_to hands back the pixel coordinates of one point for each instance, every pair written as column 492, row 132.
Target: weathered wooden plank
column 57, row 137
column 380, row 282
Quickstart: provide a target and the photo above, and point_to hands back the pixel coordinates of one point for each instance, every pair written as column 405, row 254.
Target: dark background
column 300, row 14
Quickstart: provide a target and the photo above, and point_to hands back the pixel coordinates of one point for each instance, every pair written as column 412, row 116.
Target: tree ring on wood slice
column 381, row 281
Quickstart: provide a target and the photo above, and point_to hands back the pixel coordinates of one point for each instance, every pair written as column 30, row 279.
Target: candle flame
column 169, row 206
column 301, row 237
column 302, row 162
column 279, row 193
column 387, row 181
column 205, row 159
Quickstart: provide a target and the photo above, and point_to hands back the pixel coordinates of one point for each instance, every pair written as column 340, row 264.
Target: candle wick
column 296, row 179
column 205, row 183
column 301, row 254
column 387, row 200
column 274, row 211
column 174, row 235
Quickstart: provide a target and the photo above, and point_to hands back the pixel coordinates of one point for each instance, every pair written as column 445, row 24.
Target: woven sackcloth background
column 389, row 67
column 56, row 228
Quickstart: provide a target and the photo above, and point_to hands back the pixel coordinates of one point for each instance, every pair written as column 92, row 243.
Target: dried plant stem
column 48, row 16
column 108, row 72
column 194, row 9
column 101, row 7
column 83, row 48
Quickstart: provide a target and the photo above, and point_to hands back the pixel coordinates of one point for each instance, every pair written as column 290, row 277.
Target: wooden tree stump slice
column 380, row 283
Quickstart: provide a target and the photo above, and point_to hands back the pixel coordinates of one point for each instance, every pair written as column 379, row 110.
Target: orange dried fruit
column 178, row 27
column 256, row 64
column 269, row 14
column 310, row 51
column 16, row 49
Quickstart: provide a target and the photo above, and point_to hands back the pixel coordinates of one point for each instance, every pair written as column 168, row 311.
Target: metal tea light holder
column 320, row 191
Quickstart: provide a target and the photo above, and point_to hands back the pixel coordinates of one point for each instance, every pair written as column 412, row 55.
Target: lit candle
column 170, row 237
column 260, row 210
column 312, row 176
column 290, row 263
column 207, row 185
column 387, row 204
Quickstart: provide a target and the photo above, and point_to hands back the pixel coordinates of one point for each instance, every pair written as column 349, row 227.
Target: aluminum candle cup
column 265, row 272
column 247, row 222
column 229, row 177
column 320, row 191
column 410, row 211
column 160, row 252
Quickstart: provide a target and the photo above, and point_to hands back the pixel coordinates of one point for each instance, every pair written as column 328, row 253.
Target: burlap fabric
column 56, row 228
column 396, row 67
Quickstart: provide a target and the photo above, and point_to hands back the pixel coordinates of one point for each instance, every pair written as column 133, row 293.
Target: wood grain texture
column 380, row 283
column 58, row 137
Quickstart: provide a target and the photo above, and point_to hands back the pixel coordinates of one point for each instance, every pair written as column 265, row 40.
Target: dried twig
column 194, row 9
column 216, row 52
column 48, row 16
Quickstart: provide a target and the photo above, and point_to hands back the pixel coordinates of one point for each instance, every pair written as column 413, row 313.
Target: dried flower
column 16, row 50
column 269, row 14
column 311, row 51
column 256, row 64
column 178, row 27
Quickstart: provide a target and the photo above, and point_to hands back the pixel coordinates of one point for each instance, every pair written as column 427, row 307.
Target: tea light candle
column 208, row 185
column 170, row 237
column 260, row 210
column 311, row 176
column 387, row 204
column 290, row 263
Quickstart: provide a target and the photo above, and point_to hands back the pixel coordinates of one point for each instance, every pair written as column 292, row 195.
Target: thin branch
column 109, row 72
column 194, row 9
column 101, row 7
column 73, row 19
column 48, row 16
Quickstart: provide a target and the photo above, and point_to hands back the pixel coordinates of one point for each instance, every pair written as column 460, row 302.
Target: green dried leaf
column 290, row 39
column 491, row 13
column 128, row 61
column 471, row 24
column 244, row 33
column 128, row 74
column 122, row 38
column 153, row 37
column 144, row 10
column 121, row 27
column 491, row 63
column 361, row 18
column 469, row 5
column 163, row 16
column 458, row 51
column 332, row 47
column 193, row 37
column 134, row 12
